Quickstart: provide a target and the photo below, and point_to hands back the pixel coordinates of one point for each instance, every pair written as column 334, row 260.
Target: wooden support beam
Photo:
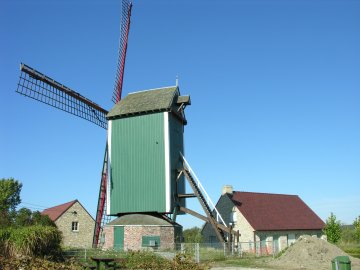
column 205, row 206
column 203, row 218
column 191, row 195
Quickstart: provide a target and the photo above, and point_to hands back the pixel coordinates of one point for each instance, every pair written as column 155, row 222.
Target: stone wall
column 82, row 238
column 243, row 226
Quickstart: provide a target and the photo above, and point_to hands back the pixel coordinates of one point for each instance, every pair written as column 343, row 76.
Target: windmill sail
column 123, row 41
column 101, row 217
column 40, row 87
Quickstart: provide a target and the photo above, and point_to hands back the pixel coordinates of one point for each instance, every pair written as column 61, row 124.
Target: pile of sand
column 311, row 253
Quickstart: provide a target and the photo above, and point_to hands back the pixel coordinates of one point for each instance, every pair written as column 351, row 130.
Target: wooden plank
column 203, row 218
column 191, row 195
column 205, row 206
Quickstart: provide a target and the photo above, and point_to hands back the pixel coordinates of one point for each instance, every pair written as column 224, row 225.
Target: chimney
column 227, row 189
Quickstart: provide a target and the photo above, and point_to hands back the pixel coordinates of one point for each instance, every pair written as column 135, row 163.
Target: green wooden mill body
column 145, row 139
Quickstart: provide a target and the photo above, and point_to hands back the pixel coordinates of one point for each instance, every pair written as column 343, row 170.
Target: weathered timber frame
column 38, row 86
column 220, row 229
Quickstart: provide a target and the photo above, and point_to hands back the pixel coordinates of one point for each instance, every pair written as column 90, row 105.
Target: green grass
column 352, row 249
column 35, row 241
column 248, row 261
column 137, row 259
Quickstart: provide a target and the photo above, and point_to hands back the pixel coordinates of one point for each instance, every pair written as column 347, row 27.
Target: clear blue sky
column 274, row 88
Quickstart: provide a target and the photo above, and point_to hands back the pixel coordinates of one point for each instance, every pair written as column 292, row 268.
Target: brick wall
column 109, row 237
column 84, row 236
column 133, row 236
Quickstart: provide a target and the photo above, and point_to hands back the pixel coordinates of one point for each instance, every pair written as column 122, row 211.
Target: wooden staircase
column 212, row 216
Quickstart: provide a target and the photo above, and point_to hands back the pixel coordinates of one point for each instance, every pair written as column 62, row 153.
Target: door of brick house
column 119, row 238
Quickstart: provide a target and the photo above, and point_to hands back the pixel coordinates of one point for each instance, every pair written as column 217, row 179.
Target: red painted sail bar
column 101, row 218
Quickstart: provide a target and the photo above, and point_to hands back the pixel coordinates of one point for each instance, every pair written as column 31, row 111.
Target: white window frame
column 75, row 226
column 233, row 215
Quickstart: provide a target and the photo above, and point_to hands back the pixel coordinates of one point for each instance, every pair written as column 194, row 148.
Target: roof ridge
column 266, row 193
column 152, row 89
column 60, row 206
column 56, row 206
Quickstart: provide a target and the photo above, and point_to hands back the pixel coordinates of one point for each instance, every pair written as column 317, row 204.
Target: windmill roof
column 55, row 212
column 267, row 212
column 149, row 101
column 142, row 220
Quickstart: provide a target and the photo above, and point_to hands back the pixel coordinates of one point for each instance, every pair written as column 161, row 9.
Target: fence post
column 182, row 247
column 197, row 252
column 85, row 254
column 239, row 249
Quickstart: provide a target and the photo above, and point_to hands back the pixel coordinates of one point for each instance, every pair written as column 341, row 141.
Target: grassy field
column 210, row 257
column 351, row 249
column 254, row 262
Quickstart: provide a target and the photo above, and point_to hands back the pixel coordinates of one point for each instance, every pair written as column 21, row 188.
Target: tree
column 192, row 235
column 25, row 217
column 9, row 199
column 357, row 227
column 39, row 219
column 332, row 229
column 347, row 234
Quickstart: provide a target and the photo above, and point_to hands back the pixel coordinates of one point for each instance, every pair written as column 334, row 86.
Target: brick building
column 75, row 223
column 265, row 221
column 141, row 231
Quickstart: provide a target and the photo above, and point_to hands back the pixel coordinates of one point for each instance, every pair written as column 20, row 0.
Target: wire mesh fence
column 199, row 252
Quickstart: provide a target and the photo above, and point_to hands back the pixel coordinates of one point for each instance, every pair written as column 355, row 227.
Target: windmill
column 133, row 162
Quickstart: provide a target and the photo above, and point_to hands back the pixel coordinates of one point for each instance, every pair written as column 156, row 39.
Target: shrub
column 35, row 241
column 4, row 237
column 149, row 260
column 28, row 263
column 332, row 229
column 357, row 228
column 144, row 260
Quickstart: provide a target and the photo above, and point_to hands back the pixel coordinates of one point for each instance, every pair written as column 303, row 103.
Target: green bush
column 35, row 241
column 357, row 228
column 4, row 236
column 347, row 235
column 28, row 263
column 149, row 260
column 144, row 260
column 332, row 229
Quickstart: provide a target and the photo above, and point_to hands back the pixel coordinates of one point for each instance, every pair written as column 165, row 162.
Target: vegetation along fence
column 200, row 252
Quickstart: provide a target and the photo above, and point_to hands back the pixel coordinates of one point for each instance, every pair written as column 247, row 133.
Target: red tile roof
column 55, row 212
column 266, row 212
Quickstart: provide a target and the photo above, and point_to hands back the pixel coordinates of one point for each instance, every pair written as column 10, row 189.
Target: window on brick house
column 233, row 217
column 75, row 226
